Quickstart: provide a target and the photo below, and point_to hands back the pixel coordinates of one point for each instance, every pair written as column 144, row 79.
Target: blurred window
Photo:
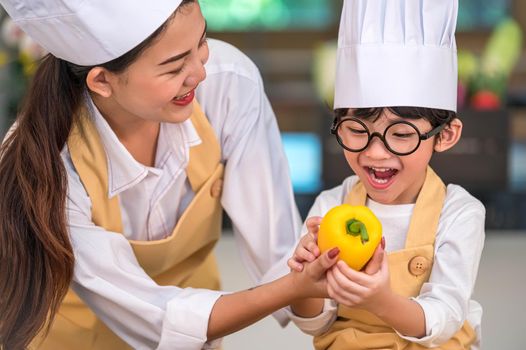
column 303, row 150
column 239, row 15
column 481, row 14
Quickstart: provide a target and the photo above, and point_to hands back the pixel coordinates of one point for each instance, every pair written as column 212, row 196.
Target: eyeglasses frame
column 422, row 137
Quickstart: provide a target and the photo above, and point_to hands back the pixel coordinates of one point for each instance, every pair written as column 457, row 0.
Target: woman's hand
column 312, row 280
column 307, row 249
column 367, row 289
column 312, row 283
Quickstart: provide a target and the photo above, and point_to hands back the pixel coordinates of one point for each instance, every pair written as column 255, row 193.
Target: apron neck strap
column 426, row 215
column 89, row 158
column 205, row 156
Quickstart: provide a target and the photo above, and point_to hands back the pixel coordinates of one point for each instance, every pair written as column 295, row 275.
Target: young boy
column 395, row 104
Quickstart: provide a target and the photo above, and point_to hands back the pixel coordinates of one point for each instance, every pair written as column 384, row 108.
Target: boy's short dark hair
column 435, row 116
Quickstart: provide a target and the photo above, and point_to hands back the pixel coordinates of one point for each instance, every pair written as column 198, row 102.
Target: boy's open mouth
column 381, row 176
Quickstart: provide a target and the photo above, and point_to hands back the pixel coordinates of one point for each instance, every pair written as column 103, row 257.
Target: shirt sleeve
column 257, row 192
column 445, row 298
column 108, row 278
column 319, row 324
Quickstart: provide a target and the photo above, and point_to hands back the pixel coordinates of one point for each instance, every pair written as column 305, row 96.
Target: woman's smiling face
column 159, row 86
column 389, row 178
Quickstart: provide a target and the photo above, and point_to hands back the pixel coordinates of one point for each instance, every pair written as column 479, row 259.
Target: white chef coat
column 257, row 195
column 446, row 297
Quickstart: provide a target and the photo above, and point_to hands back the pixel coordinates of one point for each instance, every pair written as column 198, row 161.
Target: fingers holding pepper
column 307, row 249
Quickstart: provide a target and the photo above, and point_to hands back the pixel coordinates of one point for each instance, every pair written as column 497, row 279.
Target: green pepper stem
column 357, row 228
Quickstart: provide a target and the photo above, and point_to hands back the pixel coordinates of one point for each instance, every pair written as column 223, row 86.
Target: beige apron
column 184, row 259
column 409, row 269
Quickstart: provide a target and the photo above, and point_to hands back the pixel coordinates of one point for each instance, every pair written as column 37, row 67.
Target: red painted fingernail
column 333, row 252
column 383, row 243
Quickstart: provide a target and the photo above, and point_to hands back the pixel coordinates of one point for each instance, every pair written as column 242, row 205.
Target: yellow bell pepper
column 355, row 230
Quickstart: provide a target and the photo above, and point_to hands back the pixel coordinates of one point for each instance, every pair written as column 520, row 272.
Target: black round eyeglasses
column 401, row 138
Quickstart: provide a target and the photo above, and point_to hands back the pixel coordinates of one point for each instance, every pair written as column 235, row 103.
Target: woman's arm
column 145, row 314
column 235, row 311
column 142, row 312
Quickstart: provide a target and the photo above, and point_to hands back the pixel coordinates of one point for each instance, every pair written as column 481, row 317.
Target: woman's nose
column 197, row 75
column 197, row 72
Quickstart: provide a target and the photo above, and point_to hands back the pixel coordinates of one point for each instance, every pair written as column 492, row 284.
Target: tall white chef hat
column 89, row 32
column 397, row 53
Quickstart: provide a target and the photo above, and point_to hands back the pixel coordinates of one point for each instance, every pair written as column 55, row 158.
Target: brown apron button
column 418, row 265
column 217, row 186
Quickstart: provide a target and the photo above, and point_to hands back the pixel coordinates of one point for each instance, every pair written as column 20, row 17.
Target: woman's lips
column 185, row 99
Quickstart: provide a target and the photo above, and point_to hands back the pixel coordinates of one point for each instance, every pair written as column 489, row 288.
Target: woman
column 112, row 182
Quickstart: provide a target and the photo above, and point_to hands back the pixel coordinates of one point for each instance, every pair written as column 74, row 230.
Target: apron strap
column 205, row 156
column 427, row 211
column 358, row 195
column 90, row 160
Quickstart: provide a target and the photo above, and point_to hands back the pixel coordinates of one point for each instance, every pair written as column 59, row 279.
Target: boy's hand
column 375, row 263
column 366, row 289
column 307, row 249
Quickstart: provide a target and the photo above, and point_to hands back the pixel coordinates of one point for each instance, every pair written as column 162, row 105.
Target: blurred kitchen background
column 293, row 44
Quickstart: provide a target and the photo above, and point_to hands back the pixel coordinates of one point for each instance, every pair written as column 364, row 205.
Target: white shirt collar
column 123, row 170
column 390, row 210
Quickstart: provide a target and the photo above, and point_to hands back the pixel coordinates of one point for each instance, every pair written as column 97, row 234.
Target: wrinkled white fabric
column 397, row 53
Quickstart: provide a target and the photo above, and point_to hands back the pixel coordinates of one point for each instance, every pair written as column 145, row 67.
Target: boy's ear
column 99, row 81
column 449, row 136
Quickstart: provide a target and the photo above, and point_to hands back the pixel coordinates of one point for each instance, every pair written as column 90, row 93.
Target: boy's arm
column 307, row 308
column 404, row 315
column 446, row 297
column 370, row 290
column 318, row 324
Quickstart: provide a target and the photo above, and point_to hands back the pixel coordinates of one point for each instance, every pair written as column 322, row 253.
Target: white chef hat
column 89, row 32
column 397, row 53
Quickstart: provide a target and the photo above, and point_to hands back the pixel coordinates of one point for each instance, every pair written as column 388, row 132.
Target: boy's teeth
column 382, row 170
column 380, row 181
